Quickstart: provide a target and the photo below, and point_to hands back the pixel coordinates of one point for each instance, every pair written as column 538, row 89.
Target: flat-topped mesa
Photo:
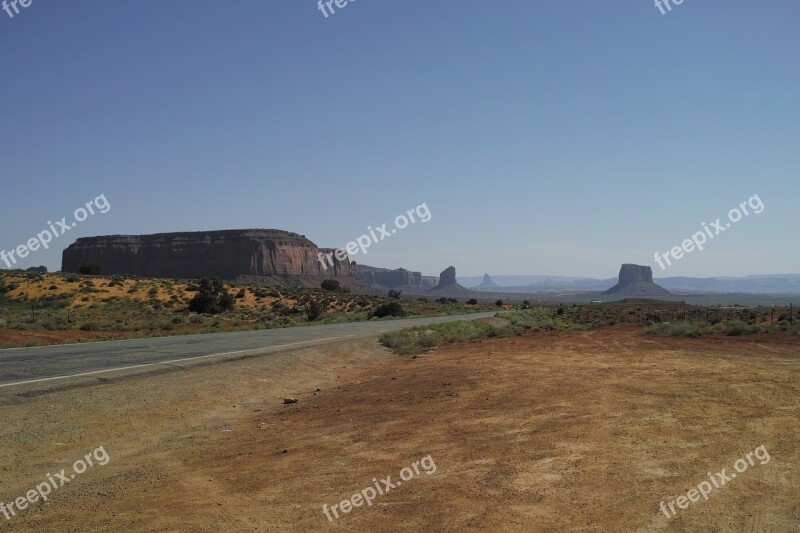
column 632, row 273
column 636, row 281
column 226, row 254
column 399, row 278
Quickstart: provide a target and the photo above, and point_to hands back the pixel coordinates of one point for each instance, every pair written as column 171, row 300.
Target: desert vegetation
column 417, row 339
column 37, row 308
column 661, row 318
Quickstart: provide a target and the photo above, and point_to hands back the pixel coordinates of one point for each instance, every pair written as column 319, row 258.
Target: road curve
column 25, row 366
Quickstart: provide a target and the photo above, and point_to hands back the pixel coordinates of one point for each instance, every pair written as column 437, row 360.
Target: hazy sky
column 559, row 138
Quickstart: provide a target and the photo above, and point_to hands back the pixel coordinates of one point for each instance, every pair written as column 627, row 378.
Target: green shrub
column 315, row 310
column 472, row 301
column 388, row 309
column 211, row 297
column 89, row 269
column 394, row 294
column 89, row 326
column 330, row 284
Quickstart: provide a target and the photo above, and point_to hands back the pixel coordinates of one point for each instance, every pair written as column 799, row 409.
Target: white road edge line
column 167, row 362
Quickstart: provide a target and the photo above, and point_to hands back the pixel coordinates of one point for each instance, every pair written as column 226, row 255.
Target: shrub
column 472, row 301
column 735, row 328
column 315, row 310
column 241, row 293
column 90, row 326
column 499, row 303
column 394, row 294
column 330, row 284
column 89, row 269
column 211, row 297
column 388, row 309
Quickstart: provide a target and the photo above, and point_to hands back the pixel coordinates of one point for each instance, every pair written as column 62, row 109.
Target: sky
column 554, row 138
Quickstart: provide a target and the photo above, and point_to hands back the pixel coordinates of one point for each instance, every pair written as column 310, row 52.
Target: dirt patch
column 548, row 431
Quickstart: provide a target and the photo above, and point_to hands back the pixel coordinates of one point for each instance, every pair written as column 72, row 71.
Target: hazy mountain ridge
column 758, row 284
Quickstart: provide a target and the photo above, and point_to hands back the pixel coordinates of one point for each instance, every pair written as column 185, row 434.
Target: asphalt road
column 50, row 364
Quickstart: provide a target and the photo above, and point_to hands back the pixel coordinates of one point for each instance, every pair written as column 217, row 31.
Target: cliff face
column 448, row 283
column 225, row 254
column 389, row 278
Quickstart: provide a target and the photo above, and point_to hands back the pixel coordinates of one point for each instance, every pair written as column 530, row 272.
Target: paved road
column 25, row 366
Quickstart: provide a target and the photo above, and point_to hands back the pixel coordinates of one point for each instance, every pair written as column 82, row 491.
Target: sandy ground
column 558, row 431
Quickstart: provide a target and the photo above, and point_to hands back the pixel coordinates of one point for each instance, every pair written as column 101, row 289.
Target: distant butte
column 636, row 281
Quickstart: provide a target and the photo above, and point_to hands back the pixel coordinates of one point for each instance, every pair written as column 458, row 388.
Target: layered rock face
column 448, row 276
column 389, row 278
column 636, row 281
column 392, row 278
column 448, row 283
column 226, row 254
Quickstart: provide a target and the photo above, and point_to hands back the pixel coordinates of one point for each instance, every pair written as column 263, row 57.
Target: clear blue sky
column 559, row 138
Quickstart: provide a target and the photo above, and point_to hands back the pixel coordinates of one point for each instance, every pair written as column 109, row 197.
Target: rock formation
column 487, row 283
column 388, row 278
column 225, row 254
column 636, row 281
column 393, row 279
column 448, row 283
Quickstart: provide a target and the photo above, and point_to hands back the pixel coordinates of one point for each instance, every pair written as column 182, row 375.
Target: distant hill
column 756, row 284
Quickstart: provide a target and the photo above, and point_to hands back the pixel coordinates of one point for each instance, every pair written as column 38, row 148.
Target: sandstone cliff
column 226, row 254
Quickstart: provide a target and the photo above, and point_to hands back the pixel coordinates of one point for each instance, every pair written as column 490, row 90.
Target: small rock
column 290, row 400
